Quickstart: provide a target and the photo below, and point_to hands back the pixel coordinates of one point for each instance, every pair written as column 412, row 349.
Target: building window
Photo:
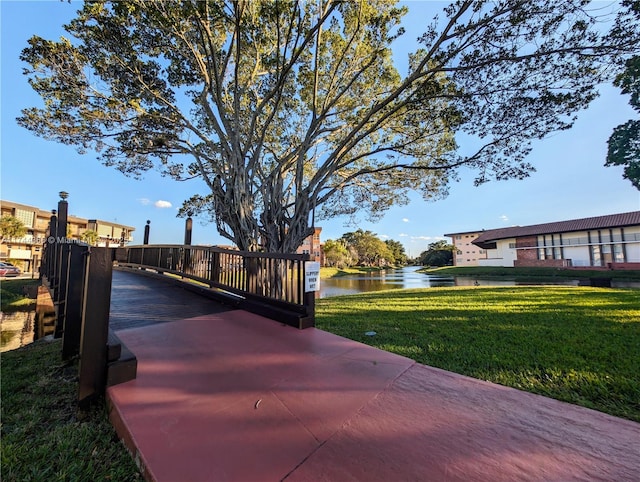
column 25, row 217
column 512, row 245
column 458, row 237
column 618, row 253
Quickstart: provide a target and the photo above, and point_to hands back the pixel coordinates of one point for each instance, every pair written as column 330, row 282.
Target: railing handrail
column 246, row 254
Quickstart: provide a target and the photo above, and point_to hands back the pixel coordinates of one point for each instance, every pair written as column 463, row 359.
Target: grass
column 579, row 345
column 42, row 436
column 500, row 272
column 12, row 297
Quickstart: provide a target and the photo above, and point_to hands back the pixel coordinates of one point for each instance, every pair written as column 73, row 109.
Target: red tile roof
column 599, row 222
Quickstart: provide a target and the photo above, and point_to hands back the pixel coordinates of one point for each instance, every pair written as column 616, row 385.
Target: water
column 409, row 278
column 16, row 329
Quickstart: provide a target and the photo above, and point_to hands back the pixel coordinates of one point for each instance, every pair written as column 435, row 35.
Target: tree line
column 364, row 248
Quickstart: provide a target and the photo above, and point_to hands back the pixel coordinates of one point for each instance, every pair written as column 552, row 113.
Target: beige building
column 467, row 253
column 312, row 246
column 26, row 251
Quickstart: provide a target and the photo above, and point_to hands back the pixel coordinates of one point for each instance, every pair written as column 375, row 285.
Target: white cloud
column 384, row 236
column 162, row 204
column 427, row 238
column 144, row 201
column 402, row 235
column 405, row 220
column 504, row 218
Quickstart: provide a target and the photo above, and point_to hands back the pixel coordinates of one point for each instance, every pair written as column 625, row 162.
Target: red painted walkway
column 236, row 397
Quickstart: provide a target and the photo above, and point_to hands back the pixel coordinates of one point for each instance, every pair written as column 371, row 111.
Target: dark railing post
column 61, row 290
column 61, row 233
column 188, row 228
column 73, row 306
column 51, row 246
column 146, row 232
column 95, row 325
column 309, row 300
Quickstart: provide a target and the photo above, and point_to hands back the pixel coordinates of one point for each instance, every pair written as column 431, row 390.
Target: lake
column 408, row 278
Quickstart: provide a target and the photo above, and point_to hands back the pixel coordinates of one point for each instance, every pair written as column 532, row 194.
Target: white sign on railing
column 311, row 276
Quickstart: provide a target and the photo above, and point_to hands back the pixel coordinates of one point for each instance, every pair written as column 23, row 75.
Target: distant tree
column 369, row 250
column 11, row 227
column 336, row 254
column 397, row 250
column 90, row 237
column 439, row 253
column 291, row 111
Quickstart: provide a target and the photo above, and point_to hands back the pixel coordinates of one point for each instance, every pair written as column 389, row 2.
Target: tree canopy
column 438, row 253
column 624, row 143
column 293, row 111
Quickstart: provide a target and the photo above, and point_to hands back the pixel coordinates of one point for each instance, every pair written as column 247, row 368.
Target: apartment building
column 466, row 253
column 312, row 246
column 611, row 241
column 26, row 251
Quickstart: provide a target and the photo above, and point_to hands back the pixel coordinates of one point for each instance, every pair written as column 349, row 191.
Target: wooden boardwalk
column 138, row 301
column 227, row 395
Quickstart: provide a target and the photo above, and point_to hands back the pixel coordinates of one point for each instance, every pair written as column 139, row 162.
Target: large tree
column 624, row 143
column 292, row 111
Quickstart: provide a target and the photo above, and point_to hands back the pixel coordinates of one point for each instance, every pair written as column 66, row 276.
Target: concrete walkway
column 232, row 396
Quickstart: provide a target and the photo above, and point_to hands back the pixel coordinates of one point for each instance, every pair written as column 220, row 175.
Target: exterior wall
column 503, row 255
column 593, row 248
column 466, row 253
column 541, row 263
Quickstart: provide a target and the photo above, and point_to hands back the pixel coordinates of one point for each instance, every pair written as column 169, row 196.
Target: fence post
column 73, row 307
column 61, row 233
column 51, row 247
column 95, row 325
column 61, row 288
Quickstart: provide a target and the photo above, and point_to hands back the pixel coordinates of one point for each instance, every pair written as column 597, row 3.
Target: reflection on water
column 16, row 329
column 20, row 328
column 408, row 278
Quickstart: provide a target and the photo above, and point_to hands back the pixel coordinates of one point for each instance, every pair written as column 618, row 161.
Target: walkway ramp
column 232, row 396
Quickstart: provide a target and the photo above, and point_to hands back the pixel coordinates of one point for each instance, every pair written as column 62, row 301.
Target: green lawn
column 42, row 436
column 580, row 345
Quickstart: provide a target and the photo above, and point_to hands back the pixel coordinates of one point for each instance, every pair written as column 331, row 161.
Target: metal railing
column 271, row 284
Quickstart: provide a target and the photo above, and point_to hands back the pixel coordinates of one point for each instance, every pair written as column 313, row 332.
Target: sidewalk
column 236, row 397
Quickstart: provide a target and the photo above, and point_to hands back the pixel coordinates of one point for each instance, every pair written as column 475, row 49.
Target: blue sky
column 571, row 180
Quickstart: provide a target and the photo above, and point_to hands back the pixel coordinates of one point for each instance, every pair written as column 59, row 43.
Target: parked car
column 7, row 269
